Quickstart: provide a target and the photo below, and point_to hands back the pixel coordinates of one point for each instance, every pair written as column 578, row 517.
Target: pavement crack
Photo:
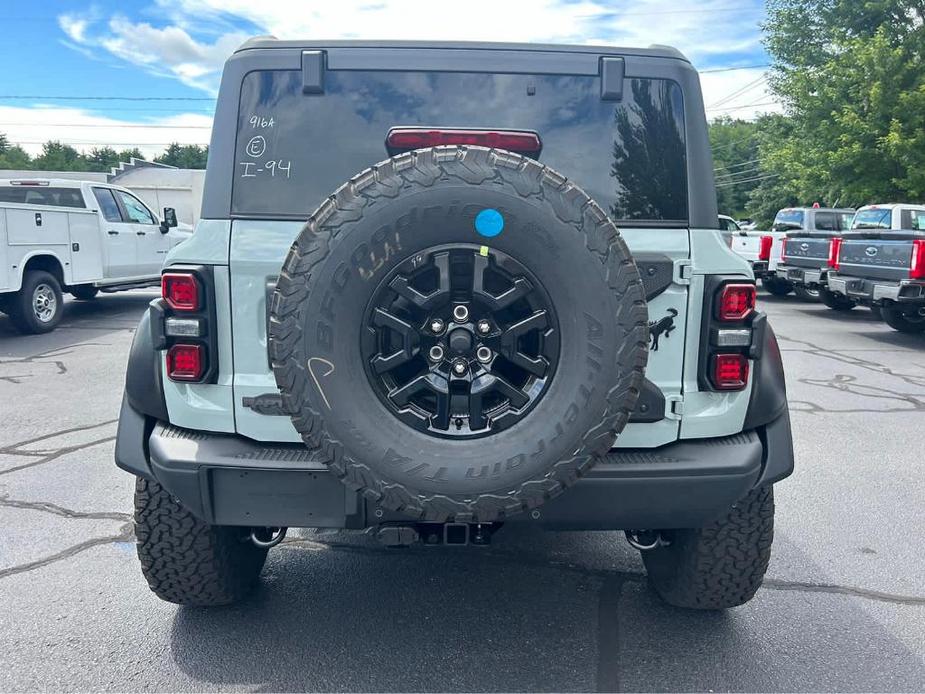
column 46, row 456
column 875, row 595
column 867, row 364
column 125, row 535
column 48, row 507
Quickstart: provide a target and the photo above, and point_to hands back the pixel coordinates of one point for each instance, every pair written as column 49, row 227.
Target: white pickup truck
column 761, row 249
column 79, row 237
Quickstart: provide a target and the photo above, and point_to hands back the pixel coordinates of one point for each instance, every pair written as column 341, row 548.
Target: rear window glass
column 35, row 195
column 825, row 221
column 294, row 149
column 844, row 219
column 789, row 219
column 872, row 219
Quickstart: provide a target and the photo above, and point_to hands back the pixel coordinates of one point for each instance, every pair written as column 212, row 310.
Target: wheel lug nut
column 437, row 325
column 435, row 353
column 459, row 367
column 483, row 354
column 484, row 327
column 460, row 313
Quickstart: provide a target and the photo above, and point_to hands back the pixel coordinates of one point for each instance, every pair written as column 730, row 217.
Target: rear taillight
column 917, row 262
column 733, row 334
column 181, row 291
column 405, row 139
column 729, row 371
column 186, row 362
column 783, row 247
column 834, row 250
column 736, row 302
column 764, row 247
column 183, row 322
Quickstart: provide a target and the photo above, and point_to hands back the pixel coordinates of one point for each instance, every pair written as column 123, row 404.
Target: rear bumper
column 808, row 277
column 232, row 480
column 875, row 291
column 760, row 268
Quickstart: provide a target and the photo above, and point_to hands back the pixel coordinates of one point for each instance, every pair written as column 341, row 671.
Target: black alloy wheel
column 459, row 343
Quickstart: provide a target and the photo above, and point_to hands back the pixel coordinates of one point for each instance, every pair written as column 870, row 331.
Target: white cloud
column 170, row 51
column 30, row 127
column 702, row 29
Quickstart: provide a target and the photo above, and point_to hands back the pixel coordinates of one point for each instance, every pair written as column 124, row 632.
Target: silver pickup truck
column 880, row 262
column 805, row 250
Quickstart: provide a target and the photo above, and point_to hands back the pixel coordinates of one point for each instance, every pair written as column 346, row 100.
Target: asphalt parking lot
column 843, row 608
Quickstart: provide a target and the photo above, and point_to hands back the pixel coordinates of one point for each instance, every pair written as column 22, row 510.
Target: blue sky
column 175, row 48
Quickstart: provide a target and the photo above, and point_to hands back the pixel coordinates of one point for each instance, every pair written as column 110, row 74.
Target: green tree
column 735, row 160
column 184, row 156
column 105, row 158
column 60, row 157
column 13, row 156
column 852, row 78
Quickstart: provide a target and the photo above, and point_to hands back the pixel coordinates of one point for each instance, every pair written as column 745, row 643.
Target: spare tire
column 460, row 332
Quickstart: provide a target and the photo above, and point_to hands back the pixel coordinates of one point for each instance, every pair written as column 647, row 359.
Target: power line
column 736, row 166
column 111, row 125
column 731, row 177
column 739, row 92
column 745, row 180
column 733, row 69
column 48, row 97
column 744, row 106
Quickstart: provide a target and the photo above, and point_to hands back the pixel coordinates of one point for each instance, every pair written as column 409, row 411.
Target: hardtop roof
column 653, row 51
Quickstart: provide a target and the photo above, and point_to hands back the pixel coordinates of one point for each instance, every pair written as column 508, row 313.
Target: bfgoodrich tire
column 369, row 239
column 188, row 561
column 718, row 566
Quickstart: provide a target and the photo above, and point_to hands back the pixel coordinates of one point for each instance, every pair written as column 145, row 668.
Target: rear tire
column 806, row 294
column 84, row 292
column 902, row 321
column 38, row 306
column 836, row 302
column 776, row 286
column 188, row 561
column 720, row 565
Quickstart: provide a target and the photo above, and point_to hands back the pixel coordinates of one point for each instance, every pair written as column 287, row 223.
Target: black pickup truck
column 880, row 262
column 805, row 254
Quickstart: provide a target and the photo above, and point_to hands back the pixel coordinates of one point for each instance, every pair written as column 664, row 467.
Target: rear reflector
column 183, row 327
column 180, row 290
column 735, row 337
column 405, row 139
column 834, row 250
column 730, row 371
column 917, row 264
column 185, row 362
column 764, row 248
column 736, row 302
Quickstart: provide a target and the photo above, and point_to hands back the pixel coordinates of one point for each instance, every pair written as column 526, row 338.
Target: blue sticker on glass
column 489, row 222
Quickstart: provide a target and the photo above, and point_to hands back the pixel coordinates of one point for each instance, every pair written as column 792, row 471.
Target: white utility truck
column 80, row 237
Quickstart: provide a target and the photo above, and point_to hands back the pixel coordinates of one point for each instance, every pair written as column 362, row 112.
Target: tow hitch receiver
column 458, row 534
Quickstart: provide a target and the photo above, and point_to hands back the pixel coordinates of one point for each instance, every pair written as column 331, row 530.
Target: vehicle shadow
column 562, row 612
